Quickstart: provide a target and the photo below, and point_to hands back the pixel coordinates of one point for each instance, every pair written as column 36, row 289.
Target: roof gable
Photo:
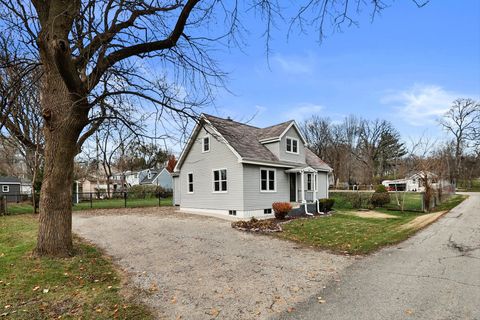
column 247, row 142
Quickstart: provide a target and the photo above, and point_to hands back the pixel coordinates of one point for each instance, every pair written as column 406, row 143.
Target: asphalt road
column 433, row 275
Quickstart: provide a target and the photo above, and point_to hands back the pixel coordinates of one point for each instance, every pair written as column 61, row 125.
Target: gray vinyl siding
column 164, row 180
column 322, row 185
column 274, row 148
column 202, row 164
column 176, row 191
column 256, row 200
column 13, row 194
column 284, row 155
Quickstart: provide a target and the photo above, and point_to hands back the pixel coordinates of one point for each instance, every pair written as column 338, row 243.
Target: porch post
column 327, row 185
column 314, row 186
column 302, row 182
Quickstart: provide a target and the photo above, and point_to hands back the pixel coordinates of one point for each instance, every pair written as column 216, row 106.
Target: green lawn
column 465, row 185
column 345, row 233
column 347, row 200
column 86, row 286
column 17, row 208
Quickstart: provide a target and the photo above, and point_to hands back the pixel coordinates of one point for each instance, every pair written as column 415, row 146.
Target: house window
column 267, row 211
column 190, row 183
column 232, row 212
column 292, row 145
column 5, row 189
column 220, row 180
column 206, row 144
column 309, row 182
column 267, row 180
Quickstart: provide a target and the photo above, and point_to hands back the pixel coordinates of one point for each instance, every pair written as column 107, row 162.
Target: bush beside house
column 281, row 209
column 326, row 204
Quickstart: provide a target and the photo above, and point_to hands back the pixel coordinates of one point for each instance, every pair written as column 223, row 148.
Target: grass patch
column 346, row 233
column 352, row 200
column 474, row 186
column 82, row 287
column 25, row 207
column 450, row 203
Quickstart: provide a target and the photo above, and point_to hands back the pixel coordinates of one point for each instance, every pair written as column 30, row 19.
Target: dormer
column 285, row 141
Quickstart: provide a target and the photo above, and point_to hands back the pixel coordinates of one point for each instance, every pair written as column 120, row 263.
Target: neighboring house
column 232, row 168
column 413, row 183
column 25, row 187
column 161, row 178
column 10, row 188
column 96, row 185
column 131, row 178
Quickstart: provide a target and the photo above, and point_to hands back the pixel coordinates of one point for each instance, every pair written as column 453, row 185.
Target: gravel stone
column 195, row 267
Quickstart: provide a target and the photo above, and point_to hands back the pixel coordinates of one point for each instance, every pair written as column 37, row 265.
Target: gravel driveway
column 194, row 267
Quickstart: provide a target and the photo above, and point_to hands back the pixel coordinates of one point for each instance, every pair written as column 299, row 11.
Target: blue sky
column 407, row 67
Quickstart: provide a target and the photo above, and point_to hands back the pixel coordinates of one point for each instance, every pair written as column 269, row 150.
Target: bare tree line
column 369, row 151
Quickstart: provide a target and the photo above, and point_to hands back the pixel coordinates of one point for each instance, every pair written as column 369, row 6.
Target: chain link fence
column 399, row 200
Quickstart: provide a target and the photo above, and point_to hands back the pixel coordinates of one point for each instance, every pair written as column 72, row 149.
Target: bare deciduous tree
column 92, row 50
column 462, row 121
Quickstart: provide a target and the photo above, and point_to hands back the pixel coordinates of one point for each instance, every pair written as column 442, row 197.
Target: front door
column 293, row 187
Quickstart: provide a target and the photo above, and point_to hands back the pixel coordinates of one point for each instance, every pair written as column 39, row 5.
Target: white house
column 231, row 168
column 158, row 177
column 413, row 183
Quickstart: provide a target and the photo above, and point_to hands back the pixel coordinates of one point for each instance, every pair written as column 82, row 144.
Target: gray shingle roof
column 314, row 161
column 9, row 179
column 273, row 131
column 245, row 139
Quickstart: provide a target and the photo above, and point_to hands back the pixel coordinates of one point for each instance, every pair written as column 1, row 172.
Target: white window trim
column 188, row 183
column 292, row 139
column 209, row 144
column 314, row 184
column 220, row 176
column 268, row 180
column 6, row 189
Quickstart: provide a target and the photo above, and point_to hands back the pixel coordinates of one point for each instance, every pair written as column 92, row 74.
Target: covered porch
column 307, row 185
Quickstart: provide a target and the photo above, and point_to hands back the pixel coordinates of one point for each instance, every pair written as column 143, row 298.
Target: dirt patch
column 195, row 267
column 423, row 220
column 255, row 225
column 373, row 214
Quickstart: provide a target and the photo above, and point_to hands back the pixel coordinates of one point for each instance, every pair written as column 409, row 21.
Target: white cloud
column 298, row 64
column 421, row 104
column 303, row 111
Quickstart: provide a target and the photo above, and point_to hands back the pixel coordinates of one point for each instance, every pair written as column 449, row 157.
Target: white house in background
column 25, row 186
column 231, row 168
column 131, row 178
column 413, row 183
column 158, row 177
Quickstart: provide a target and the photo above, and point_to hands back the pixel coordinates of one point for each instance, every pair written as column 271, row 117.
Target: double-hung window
column 220, row 180
column 190, row 183
column 6, row 189
column 267, row 180
column 309, row 182
column 292, row 145
column 206, row 144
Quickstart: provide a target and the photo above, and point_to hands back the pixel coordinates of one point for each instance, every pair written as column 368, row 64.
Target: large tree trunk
column 65, row 117
column 65, row 114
